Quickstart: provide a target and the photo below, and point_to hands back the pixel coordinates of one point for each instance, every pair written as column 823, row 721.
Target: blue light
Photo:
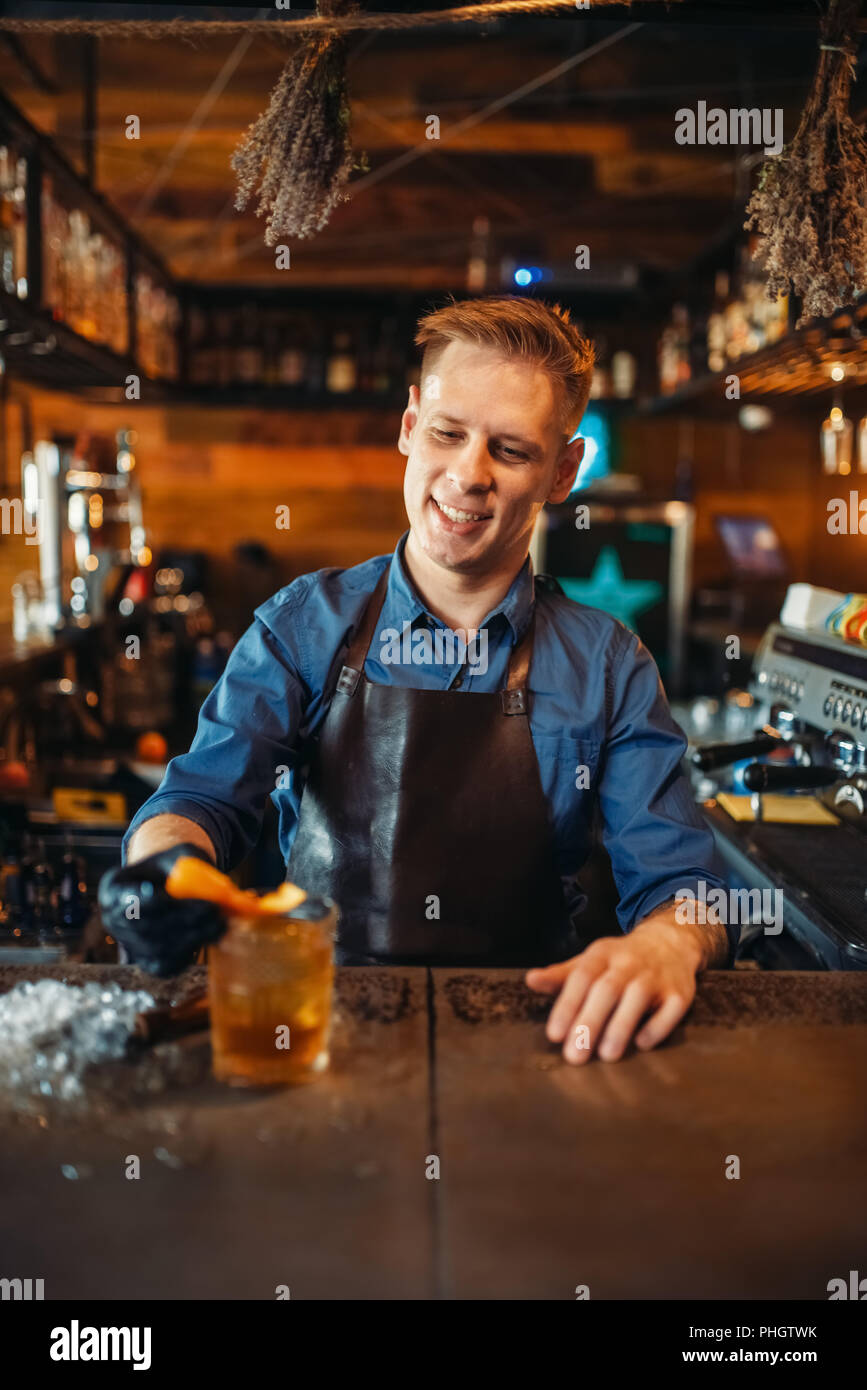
column 523, row 276
column 535, row 274
column 596, row 433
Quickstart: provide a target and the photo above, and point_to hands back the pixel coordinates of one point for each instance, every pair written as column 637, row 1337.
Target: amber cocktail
column 270, row 980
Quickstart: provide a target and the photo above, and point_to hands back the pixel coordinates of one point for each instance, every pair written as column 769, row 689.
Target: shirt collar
column 516, row 607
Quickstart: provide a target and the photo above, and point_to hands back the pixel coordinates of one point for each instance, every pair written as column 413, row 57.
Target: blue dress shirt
column 599, row 720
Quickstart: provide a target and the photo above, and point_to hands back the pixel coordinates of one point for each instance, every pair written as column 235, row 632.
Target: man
column 443, row 799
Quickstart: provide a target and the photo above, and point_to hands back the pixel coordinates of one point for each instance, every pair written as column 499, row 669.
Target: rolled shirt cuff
column 171, row 805
column 709, row 908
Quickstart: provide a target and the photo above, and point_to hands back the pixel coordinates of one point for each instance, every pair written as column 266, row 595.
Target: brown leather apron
column 423, row 817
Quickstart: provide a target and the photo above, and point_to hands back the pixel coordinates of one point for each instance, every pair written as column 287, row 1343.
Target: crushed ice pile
column 50, row 1033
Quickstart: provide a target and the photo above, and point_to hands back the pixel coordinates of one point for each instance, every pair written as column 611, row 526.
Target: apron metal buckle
column 348, row 680
column 513, row 702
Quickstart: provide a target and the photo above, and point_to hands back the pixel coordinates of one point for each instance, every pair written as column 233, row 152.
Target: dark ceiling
column 587, row 157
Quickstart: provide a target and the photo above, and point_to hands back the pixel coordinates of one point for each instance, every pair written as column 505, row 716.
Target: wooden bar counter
column 610, row 1176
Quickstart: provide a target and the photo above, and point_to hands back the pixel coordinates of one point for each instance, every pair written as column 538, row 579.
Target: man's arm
column 164, row 832
column 214, row 795
column 643, row 983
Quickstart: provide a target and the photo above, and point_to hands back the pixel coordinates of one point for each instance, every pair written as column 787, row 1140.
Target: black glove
column 161, row 934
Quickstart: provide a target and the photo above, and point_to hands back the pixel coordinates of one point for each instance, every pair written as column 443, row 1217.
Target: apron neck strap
column 519, row 661
column 360, row 644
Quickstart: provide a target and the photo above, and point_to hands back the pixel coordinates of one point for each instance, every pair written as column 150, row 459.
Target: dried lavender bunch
column 810, row 206
column 299, row 149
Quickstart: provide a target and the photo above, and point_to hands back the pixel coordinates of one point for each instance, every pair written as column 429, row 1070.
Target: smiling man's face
column 485, row 449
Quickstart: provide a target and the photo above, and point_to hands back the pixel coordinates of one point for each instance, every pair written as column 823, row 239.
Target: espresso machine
column 811, row 687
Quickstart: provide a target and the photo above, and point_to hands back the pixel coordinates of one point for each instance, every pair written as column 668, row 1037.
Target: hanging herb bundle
column 299, row 150
column 810, row 206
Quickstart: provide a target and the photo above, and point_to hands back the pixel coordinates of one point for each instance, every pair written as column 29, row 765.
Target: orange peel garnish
column 193, row 878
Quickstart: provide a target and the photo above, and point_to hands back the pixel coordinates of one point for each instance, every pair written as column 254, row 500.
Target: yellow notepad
column 791, row 810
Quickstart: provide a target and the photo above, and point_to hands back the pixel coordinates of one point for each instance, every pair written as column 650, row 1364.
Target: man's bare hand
column 637, row 985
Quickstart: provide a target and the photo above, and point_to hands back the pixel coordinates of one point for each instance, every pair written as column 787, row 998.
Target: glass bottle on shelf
column 172, row 337
column 292, row 358
column 249, row 363
column 143, row 322
column 201, row 351
column 623, row 373
column 54, row 234
column 19, row 228
column 270, row 373
column 600, row 382
column 777, row 317
column 7, row 223
column 836, row 441
column 861, row 445
column 92, row 253
column 314, row 375
column 667, row 360
column 366, row 351
column 680, row 319
column 119, row 303
column 737, row 329
column 342, row 370
column 384, row 357
column 77, row 252
column 224, row 359
column 716, row 324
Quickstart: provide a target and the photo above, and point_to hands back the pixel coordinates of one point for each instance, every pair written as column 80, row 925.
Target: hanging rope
column 283, row 28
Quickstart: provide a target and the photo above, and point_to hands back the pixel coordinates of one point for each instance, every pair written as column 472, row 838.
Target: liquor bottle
column 667, row 359
column 19, row 228
column 836, row 442
column 314, row 378
column 737, row 328
column 224, row 364
column 249, row 359
column 778, row 318
column 367, row 345
column 43, row 894
column 623, row 373
column 120, row 304
column 600, row 384
column 383, row 357
column 861, row 445
column 477, row 264
column 716, row 324
column 27, row 887
column 54, row 234
column 7, row 224
column 680, row 319
column 75, row 253
column 292, row 359
column 270, row 369
column 198, row 340
column 71, row 894
column 342, row 370
column 10, row 894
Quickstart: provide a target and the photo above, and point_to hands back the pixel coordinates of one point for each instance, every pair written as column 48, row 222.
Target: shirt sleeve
column 657, row 840
column 247, row 731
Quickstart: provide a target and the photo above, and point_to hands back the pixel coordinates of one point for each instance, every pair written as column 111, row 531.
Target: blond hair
column 527, row 328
